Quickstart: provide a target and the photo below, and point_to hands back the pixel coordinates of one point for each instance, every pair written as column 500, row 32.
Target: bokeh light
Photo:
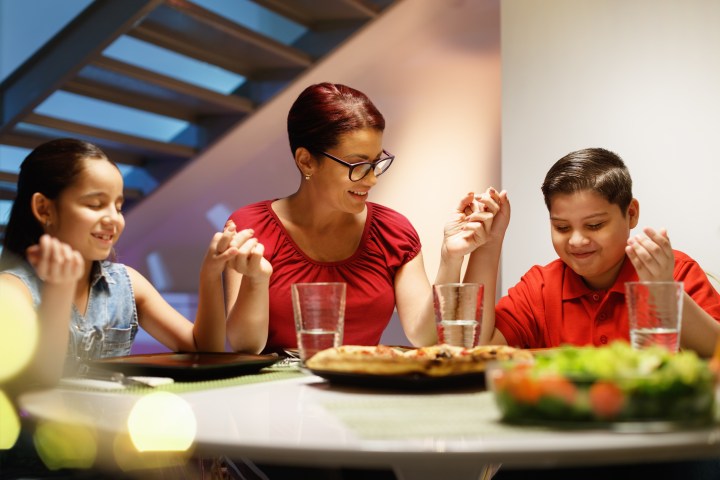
column 162, row 421
column 18, row 324
column 65, row 445
column 9, row 423
column 128, row 458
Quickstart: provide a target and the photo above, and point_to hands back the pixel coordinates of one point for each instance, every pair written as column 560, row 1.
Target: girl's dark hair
column 596, row 169
column 49, row 169
column 325, row 111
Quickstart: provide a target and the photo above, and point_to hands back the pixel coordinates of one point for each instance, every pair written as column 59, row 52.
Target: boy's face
column 590, row 234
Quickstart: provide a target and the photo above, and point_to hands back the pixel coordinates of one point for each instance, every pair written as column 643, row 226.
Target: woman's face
column 343, row 194
column 87, row 215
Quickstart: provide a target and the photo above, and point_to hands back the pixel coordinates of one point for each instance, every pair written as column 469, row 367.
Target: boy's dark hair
column 596, row 169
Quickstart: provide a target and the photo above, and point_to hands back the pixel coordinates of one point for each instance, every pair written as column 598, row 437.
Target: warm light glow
column 64, row 445
column 162, row 421
column 18, row 324
column 128, row 458
column 9, row 423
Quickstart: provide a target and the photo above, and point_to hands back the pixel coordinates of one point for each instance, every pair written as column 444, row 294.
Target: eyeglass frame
column 352, row 166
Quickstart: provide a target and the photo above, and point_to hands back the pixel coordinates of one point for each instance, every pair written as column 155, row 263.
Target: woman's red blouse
column 388, row 242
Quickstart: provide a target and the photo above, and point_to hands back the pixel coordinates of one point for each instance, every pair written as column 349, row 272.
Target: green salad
column 606, row 384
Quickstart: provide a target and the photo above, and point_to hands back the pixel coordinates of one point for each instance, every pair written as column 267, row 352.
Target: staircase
column 79, row 63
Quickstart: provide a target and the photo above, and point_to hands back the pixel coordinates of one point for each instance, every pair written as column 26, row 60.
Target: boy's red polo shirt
column 552, row 306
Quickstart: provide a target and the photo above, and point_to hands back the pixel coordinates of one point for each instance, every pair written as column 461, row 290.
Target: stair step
column 103, row 136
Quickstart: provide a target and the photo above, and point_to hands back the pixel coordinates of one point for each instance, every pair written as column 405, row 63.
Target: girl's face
column 363, row 145
column 87, row 215
column 590, row 234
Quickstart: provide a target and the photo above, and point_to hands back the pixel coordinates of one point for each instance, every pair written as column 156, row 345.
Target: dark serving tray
column 416, row 382
column 187, row 366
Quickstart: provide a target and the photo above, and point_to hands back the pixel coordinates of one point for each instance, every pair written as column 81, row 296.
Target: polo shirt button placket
column 603, row 339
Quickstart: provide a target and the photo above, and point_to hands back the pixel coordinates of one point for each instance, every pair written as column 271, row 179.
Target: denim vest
column 110, row 323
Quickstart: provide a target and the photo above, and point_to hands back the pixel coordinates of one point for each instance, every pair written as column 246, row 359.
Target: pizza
column 434, row 361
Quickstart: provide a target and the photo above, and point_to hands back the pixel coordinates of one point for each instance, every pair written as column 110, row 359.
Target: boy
column 579, row 298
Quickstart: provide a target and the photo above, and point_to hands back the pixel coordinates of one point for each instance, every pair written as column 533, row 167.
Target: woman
column 329, row 231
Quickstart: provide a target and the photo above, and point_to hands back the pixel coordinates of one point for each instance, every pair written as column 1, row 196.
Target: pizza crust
column 435, row 360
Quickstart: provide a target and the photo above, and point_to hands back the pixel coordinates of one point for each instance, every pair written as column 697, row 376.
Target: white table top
column 419, row 435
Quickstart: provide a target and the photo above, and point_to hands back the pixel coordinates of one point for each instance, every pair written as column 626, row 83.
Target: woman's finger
column 247, row 247
column 241, row 237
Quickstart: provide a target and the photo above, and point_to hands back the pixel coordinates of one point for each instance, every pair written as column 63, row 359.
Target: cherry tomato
column 606, row 400
column 559, row 387
column 522, row 386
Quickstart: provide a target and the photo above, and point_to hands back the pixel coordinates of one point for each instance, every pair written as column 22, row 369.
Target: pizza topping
column 435, row 360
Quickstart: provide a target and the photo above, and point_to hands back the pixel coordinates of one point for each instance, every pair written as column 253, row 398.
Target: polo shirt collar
column 575, row 287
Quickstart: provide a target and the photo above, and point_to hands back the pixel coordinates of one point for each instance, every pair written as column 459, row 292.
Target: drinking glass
column 319, row 310
column 458, row 313
column 654, row 313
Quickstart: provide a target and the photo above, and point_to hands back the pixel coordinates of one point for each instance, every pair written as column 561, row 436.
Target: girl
column 65, row 220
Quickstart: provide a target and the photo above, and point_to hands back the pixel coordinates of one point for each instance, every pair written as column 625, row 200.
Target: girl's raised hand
column 55, row 262
column 248, row 259
column 221, row 250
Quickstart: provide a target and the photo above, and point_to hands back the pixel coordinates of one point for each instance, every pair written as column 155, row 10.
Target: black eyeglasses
column 358, row 171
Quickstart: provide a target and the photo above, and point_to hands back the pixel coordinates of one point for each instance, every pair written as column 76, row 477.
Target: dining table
column 286, row 415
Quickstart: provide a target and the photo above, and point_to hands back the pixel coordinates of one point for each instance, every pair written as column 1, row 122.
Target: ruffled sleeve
column 394, row 235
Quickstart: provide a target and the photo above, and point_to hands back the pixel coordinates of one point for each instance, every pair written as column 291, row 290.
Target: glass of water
column 654, row 313
column 458, row 313
column 319, row 310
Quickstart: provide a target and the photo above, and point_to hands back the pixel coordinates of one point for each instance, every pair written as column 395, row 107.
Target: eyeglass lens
column 359, row 172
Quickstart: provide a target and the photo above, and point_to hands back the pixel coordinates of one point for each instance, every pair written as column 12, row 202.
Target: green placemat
column 268, row 374
column 457, row 415
column 416, row 416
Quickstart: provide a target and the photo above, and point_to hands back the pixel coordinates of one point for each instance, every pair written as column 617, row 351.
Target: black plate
column 187, row 366
column 404, row 382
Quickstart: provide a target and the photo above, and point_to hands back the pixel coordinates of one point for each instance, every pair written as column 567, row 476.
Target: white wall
column 639, row 77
